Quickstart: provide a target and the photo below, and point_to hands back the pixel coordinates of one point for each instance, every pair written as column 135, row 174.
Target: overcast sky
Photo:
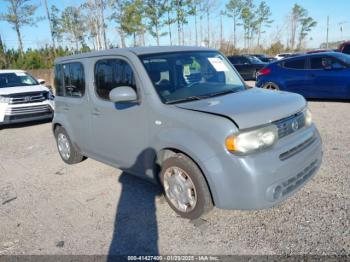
column 337, row 10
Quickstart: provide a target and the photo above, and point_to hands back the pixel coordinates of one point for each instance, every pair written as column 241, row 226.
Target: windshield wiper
column 187, row 99
column 192, row 98
column 220, row 93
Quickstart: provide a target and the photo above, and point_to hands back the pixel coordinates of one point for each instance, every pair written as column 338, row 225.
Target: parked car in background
column 23, row 98
column 246, row 65
column 284, row 55
column 320, row 75
column 345, row 48
column 151, row 112
column 264, row 58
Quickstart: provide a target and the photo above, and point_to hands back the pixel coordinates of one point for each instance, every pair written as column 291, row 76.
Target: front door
column 119, row 130
column 330, row 78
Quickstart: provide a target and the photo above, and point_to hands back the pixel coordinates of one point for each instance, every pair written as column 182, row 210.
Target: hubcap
column 180, row 189
column 63, row 146
column 270, row 86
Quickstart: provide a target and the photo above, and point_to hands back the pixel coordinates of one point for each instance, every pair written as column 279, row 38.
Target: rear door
column 329, row 78
column 294, row 75
column 71, row 102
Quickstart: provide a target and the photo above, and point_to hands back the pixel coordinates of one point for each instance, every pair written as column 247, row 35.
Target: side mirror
column 122, row 94
column 41, row 81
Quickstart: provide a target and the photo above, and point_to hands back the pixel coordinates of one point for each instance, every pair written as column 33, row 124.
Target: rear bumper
column 263, row 180
column 10, row 114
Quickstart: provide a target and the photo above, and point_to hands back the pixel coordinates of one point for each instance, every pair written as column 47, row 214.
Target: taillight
column 264, row 71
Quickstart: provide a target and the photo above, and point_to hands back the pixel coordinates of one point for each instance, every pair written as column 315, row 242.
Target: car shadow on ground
column 135, row 226
column 328, row 100
column 25, row 124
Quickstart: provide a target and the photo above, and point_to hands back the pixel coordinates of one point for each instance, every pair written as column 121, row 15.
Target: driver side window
column 324, row 62
column 112, row 73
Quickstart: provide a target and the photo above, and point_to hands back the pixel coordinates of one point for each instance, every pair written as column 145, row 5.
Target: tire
column 72, row 156
column 271, row 86
column 183, row 182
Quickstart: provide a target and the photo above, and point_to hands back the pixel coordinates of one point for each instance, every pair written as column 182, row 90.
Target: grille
column 295, row 150
column 19, row 117
column 290, row 124
column 24, row 110
column 294, row 182
column 25, row 98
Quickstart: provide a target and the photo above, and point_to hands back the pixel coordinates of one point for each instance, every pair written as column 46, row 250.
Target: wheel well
column 166, row 153
column 55, row 126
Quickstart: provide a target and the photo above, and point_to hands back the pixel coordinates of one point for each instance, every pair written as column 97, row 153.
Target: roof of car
column 11, row 71
column 135, row 50
column 312, row 54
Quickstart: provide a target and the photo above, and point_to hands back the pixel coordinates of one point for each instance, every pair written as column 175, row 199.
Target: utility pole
column 221, row 29
column 327, row 43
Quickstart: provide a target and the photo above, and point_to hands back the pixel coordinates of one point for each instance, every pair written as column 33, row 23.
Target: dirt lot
column 48, row 207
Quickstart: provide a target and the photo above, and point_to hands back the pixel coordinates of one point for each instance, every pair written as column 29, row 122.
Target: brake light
column 264, row 71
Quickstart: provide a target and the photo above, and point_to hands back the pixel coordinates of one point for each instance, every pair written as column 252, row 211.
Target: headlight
column 4, row 99
column 308, row 117
column 251, row 141
column 50, row 96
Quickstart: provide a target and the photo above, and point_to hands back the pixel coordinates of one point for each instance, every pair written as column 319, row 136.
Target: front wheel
column 185, row 188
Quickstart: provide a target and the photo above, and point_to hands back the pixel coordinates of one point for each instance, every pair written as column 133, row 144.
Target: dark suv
column 247, row 65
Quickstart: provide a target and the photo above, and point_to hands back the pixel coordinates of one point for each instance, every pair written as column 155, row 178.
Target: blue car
column 320, row 75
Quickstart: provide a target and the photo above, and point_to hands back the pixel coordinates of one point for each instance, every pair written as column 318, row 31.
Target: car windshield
column 16, row 79
column 184, row 76
column 254, row 60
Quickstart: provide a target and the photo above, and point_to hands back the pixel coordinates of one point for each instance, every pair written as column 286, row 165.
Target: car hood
column 250, row 108
column 22, row 89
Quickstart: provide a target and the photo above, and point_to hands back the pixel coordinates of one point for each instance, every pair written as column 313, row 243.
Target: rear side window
column 112, row 73
column 74, row 79
column 316, row 62
column 295, row 64
column 58, row 80
column 234, row 60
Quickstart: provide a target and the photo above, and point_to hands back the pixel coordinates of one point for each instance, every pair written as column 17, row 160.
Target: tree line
column 84, row 27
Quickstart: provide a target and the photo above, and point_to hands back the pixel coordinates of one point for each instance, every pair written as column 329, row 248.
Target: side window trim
column 138, row 92
column 63, row 81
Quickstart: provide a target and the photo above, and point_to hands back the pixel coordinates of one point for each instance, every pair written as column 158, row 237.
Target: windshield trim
column 142, row 56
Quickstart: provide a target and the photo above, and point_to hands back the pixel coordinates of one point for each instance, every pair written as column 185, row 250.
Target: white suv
column 23, row 98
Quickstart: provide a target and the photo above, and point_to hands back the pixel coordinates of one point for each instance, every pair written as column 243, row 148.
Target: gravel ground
column 48, row 207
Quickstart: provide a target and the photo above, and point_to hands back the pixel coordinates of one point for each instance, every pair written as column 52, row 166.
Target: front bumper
column 10, row 114
column 264, row 179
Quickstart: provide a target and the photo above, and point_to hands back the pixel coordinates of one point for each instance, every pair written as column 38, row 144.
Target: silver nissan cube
column 184, row 118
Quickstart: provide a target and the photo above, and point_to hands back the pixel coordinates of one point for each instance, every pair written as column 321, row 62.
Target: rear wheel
column 185, row 188
column 65, row 147
column 271, row 86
